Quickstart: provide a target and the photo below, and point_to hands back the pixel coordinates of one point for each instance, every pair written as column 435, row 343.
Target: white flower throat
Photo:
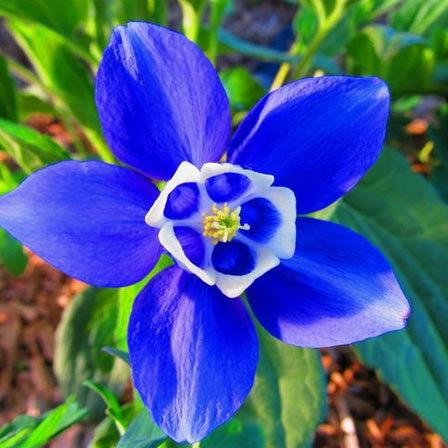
column 225, row 224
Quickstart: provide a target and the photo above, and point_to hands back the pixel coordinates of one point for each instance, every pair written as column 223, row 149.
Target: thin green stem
column 191, row 18
column 100, row 145
column 326, row 24
column 217, row 10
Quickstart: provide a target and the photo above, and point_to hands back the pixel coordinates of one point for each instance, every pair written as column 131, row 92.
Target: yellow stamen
column 222, row 224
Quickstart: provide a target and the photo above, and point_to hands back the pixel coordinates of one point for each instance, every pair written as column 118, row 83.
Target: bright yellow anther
column 222, row 224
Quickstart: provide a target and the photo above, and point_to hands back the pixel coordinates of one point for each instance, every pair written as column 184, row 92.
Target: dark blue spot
column 263, row 218
column 182, row 202
column 227, row 187
column 192, row 244
column 234, row 258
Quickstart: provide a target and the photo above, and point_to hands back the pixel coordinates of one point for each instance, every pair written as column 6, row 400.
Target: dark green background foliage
column 404, row 214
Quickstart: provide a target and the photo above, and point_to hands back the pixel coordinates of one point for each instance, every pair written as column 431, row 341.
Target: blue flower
column 231, row 226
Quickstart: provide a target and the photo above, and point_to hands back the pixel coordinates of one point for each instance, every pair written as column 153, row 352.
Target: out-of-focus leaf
column 12, row 255
column 236, row 433
column 403, row 60
column 118, row 353
column 30, row 432
column 418, row 16
column 87, row 326
column 30, row 103
column 61, row 16
column 110, row 400
column 288, row 398
column 59, row 69
column 143, row 433
column 404, row 217
column 126, row 297
column 411, row 69
column 244, row 47
column 242, row 88
column 28, row 147
column 8, row 93
column 439, row 173
column 105, row 435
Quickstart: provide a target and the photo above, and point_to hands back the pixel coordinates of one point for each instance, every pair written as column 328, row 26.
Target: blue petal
column 182, row 202
column 337, row 289
column 86, row 219
column 262, row 217
column 227, row 187
column 317, row 136
column 160, row 101
column 234, row 258
column 192, row 244
column 193, row 354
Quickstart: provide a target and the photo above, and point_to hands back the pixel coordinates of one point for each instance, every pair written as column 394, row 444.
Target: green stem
column 158, row 11
column 100, row 145
column 191, row 18
column 217, row 10
column 326, row 24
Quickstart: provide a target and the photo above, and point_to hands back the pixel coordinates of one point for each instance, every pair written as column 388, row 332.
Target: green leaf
column 118, row 353
column 112, row 406
column 403, row 60
column 62, row 16
column 142, row 433
column 105, row 435
column 28, row 147
column 126, row 297
column 288, row 398
column 242, row 88
column 30, row 432
column 419, row 16
column 87, row 326
column 438, row 133
column 12, row 255
column 404, row 217
column 8, row 93
column 236, row 433
column 31, row 103
column 244, row 47
column 66, row 78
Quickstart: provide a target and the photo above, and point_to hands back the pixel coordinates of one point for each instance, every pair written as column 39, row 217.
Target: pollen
column 222, row 224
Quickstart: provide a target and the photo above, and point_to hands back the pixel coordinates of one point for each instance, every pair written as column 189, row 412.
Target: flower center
column 222, row 224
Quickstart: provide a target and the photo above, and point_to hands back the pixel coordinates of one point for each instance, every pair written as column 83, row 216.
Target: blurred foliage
column 404, row 42
column 30, row 432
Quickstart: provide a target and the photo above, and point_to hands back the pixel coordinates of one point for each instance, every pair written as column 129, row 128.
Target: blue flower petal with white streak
column 337, row 289
column 160, row 101
column 86, row 219
column 317, row 136
column 193, row 354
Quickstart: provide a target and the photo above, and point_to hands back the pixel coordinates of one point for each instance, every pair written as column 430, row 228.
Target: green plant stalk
column 326, row 24
column 217, row 11
column 94, row 137
column 191, row 18
column 158, row 11
column 100, row 145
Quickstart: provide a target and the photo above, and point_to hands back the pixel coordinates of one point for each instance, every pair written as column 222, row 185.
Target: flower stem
column 217, row 10
column 326, row 24
column 100, row 145
column 192, row 12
